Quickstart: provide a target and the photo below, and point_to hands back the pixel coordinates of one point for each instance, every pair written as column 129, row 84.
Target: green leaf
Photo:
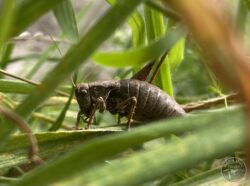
column 62, row 115
column 29, row 11
column 155, row 27
column 51, row 144
column 140, row 55
column 66, row 18
column 247, row 2
column 170, row 64
column 203, row 144
column 6, row 55
column 77, row 54
column 137, row 26
column 7, row 19
column 176, row 54
column 103, row 148
column 211, row 177
column 13, row 86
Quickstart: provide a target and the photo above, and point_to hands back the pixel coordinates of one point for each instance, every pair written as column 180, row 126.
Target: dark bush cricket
column 132, row 98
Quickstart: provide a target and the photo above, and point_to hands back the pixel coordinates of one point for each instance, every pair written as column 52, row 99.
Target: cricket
column 132, row 98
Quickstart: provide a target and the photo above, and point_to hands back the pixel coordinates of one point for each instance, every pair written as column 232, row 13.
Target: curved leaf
column 140, row 55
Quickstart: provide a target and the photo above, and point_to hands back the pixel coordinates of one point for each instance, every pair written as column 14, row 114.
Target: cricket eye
column 83, row 91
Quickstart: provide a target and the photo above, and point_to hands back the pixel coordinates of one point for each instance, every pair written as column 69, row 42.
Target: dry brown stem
column 205, row 104
column 33, row 149
column 220, row 45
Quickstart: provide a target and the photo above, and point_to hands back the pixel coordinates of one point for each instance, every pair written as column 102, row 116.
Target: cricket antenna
column 73, row 83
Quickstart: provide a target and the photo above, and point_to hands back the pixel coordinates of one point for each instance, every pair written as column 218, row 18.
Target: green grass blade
column 6, row 55
column 13, row 86
column 41, row 59
column 74, row 57
column 140, row 55
column 176, row 54
column 86, row 155
column 210, row 177
column 51, row 144
column 137, row 26
column 66, row 18
column 155, row 28
column 170, row 64
column 204, row 144
column 52, row 47
column 62, row 115
column 7, row 19
column 29, row 11
column 247, row 3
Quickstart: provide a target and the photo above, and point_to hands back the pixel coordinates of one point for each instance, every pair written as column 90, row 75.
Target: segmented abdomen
column 152, row 102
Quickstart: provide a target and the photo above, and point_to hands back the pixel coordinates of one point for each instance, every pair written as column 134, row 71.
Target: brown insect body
column 132, row 98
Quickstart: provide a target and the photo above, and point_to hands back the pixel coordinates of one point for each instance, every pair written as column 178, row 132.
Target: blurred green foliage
column 114, row 44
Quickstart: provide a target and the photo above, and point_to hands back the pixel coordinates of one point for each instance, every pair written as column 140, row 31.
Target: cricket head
column 83, row 98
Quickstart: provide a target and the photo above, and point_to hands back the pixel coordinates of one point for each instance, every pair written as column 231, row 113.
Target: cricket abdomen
column 152, row 102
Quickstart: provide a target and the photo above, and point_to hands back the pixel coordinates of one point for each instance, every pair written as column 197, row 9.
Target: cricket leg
column 118, row 119
column 131, row 104
column 79, row 114
column 98, row 105
column 91, row 116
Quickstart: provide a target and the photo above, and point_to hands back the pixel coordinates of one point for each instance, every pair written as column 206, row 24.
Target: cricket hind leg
column 129, row 104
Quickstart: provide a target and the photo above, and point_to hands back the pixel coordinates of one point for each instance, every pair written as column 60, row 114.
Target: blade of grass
column 29, row 11
column 74, row 57
column 207, row 143
column 210, row 177
column 140, row 55
column 241, row 16
column 137, row 27
column 114, row 144
column 155, row 28
column 41, row 60
column 62, row 115
column 28, row 81
column 165, row 11
column 13, row 86
column 7, row 18
column 247, row 3
column 66, row 18
column 170, row 64
column 45, row 55
column 51, row 144
column 6, row 55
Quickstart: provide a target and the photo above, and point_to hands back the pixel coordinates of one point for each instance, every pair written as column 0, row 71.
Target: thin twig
column 33, row 151
column 232, row 98
column 29, row 81
column 38, row 38
column 32, row 56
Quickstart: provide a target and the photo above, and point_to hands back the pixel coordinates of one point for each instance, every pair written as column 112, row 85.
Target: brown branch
column 33, row 150
column 205, row 104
